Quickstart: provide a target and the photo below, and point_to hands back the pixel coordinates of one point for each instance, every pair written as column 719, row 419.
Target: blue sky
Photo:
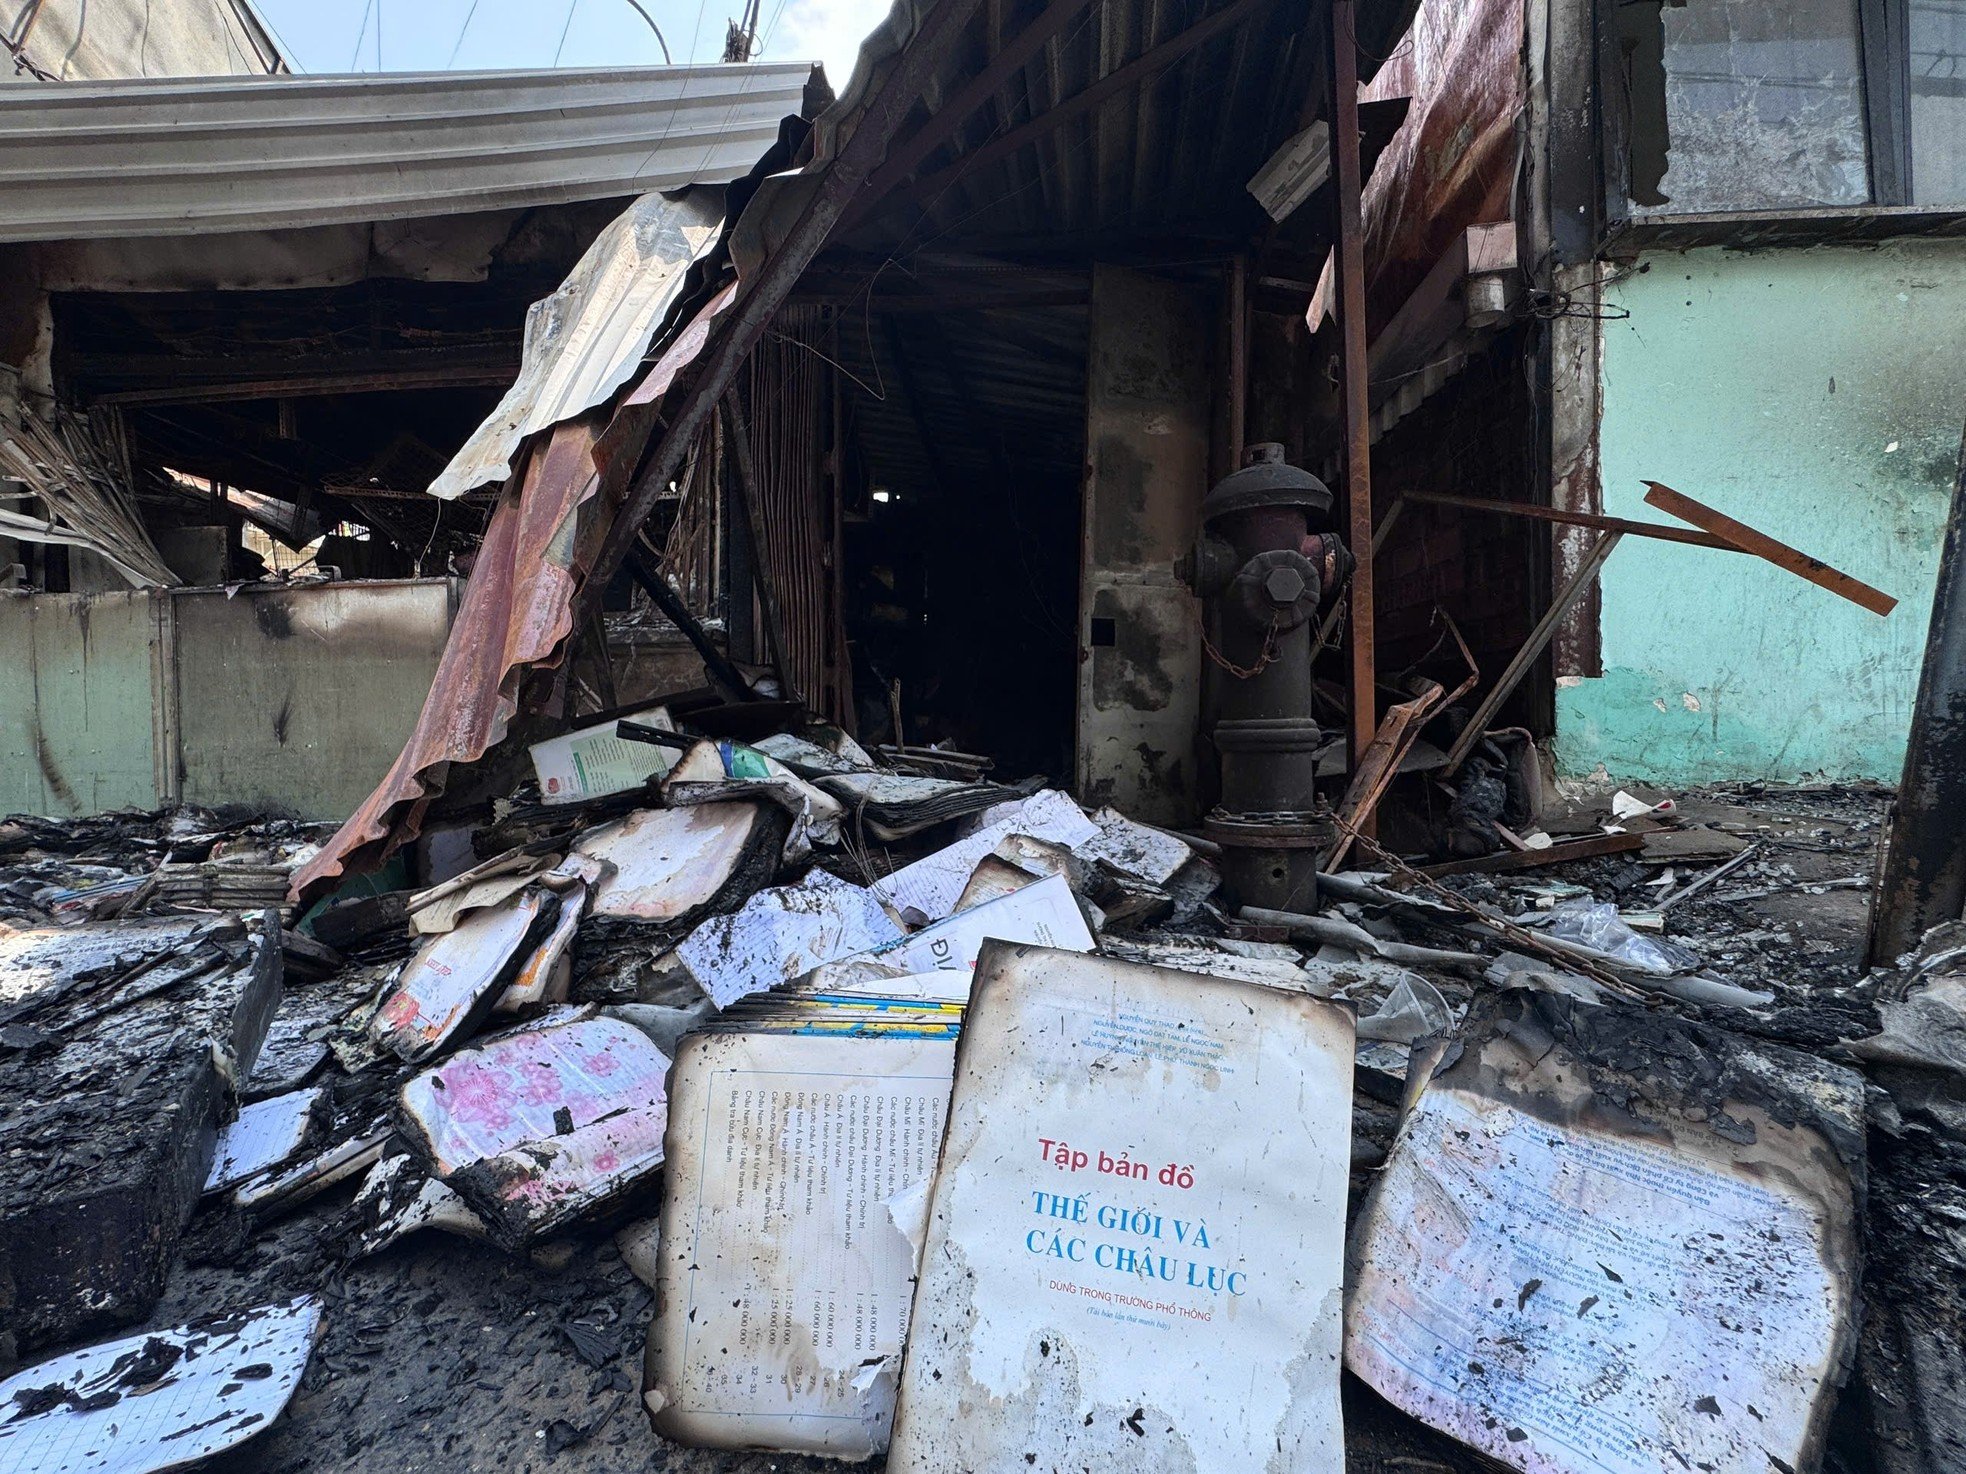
column 421, row 35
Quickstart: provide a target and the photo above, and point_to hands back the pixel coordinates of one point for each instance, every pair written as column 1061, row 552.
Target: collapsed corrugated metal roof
column 953, row 58
column 584, row 341
column 169, row 157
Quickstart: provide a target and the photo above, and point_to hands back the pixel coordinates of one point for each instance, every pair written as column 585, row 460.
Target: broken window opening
column 1938, row 101
column 1744, row 104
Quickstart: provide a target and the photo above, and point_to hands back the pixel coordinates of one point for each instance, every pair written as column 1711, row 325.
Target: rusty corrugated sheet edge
column 515, row 615
column 565, row 475
column 1454, row 163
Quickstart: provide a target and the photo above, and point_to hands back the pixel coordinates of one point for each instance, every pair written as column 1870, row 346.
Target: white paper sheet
column 1578, row 1302
column 782, row 932
column 1045, row 912
column 783, row 1280
column 541, row 974
column 1134, row 1250
column 227, row 1381
column 265, row 1135
column 1134, row 849
column 451, row 981
column 667, row 862
column 932, row 884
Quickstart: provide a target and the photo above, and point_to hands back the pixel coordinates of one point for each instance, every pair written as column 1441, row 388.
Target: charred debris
column 294, row 1115
column 919, row 909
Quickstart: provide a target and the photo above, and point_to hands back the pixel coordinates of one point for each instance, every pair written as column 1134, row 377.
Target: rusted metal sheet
column 1453, row 164
column 516, row 613
column 1140, row 638
column 537, row 1128
column 791, row 390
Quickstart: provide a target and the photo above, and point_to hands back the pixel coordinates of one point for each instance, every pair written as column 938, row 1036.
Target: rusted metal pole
column 1660, row 530
column 1358, row 420
column 1532, row 648
column 1753, row 540
column 1922, row 881
column 1236, row 308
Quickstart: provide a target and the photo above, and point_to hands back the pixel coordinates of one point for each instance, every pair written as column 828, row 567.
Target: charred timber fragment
column 141, row 1033
column 1923, row 879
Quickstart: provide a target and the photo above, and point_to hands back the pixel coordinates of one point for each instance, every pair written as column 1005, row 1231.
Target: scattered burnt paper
column 1612, row 1240
column 158, row 1400
column 543, row 1126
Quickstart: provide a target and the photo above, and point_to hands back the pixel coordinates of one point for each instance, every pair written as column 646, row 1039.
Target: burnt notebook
column 1135, row 1239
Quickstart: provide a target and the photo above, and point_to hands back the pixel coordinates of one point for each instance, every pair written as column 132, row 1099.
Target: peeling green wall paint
column 1815, row 394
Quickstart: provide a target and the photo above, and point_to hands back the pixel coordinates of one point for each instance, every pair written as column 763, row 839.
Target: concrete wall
column 1818, row 395
column 78, row 693
column 292, row 699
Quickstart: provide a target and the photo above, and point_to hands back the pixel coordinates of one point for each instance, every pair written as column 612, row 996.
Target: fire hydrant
column 1263, row 575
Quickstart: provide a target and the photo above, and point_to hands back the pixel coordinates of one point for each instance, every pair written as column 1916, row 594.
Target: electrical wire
column 355, row 61
column 764, row 40
column 286, row 51
column 460, row 35
column 572, row 6
column 667, row 60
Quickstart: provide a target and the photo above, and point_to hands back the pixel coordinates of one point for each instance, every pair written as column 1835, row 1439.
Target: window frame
column 1884, row 57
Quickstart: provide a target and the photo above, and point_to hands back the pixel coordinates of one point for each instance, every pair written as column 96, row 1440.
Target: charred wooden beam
column 1923, row 878
column 1140, row 68
column 1357, row 411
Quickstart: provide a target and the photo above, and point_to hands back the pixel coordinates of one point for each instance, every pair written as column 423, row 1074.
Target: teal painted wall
column 296, row 698
column 1818, row 395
